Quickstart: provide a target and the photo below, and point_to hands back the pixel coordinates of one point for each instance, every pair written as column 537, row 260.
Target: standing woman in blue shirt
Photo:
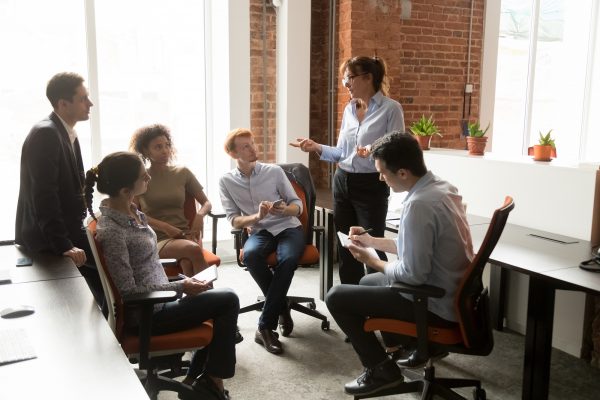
column 360, row 198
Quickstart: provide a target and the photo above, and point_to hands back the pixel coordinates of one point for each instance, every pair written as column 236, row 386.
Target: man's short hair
column 63, row 86
column 400, row 150
column 231, row 136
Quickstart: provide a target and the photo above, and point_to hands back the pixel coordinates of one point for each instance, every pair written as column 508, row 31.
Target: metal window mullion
column 589, row 75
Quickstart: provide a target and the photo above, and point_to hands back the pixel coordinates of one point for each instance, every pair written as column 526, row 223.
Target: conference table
column 551, row 262
column 77, row 355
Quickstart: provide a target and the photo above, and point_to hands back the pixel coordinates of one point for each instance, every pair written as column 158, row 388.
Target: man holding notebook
column 260, row 198
column 433, row 247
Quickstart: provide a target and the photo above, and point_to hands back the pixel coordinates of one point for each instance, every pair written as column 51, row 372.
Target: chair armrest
column 216, row 215
column 420, row 291
column 168, row 262
column 154, row 297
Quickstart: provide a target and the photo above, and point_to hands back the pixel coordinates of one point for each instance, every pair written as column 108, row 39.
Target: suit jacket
column 51, row 206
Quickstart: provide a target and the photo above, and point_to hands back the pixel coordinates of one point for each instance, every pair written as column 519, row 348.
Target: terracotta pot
column 476, row 145
column 423, row 141
column 542, row 153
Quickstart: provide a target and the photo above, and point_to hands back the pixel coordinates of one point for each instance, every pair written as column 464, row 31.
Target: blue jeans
column 274, row 283
column 222, row 306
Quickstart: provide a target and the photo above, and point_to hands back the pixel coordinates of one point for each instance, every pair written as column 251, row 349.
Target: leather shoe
column 286, row 323
column 385, row 375
column 238, row 336
column 269, row 340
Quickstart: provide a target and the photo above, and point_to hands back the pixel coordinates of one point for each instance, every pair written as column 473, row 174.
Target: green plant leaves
column 424, row 127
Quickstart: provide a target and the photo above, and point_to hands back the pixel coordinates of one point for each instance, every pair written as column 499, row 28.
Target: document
column 207, row 275
column 345, row 241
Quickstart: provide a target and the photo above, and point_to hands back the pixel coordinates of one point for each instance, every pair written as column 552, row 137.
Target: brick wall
column 257, row 68
column 426, row 55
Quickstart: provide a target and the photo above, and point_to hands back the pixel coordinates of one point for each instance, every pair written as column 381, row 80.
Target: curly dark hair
column 116, row 171
column 143, row 136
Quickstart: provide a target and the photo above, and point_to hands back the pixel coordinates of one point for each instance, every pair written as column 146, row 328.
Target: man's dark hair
column 400, row 151
column 63, row 86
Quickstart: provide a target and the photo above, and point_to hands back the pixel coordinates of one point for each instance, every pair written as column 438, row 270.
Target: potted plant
column 476, row 141
column 544, row 150
column 423, row 130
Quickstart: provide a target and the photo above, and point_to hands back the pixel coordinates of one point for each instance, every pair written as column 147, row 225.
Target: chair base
column 294, row 303
column 428, row 385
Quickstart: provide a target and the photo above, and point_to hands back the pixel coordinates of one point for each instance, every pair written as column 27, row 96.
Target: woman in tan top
column 164, row 200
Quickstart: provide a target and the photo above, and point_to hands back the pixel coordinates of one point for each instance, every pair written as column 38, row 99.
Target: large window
column 145, row 57
column 545, row 77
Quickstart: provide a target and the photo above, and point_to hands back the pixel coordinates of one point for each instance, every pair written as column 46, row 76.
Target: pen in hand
column 365, row 231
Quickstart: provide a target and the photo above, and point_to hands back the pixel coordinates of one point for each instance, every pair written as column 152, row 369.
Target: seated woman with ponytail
column 131, row 255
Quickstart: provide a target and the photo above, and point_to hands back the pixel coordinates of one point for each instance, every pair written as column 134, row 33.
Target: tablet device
column 207, row 275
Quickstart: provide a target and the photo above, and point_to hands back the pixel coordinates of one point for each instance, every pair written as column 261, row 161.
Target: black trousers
column 350, row 305
column 358, row 200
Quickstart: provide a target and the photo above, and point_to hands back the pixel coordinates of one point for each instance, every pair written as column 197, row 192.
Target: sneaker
column 383, row 376
column 414, row 361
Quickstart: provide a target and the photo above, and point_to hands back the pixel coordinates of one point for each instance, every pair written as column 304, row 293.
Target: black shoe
column 238, row 336
column 286, row 323
column 204, row 384
column 415, row 361
column 384, row 376
column 269, row 340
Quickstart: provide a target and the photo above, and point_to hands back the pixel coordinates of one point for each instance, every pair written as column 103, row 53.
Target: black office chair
column 471, row 335
column 299, row 176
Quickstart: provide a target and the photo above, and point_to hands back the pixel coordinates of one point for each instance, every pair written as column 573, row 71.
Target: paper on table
column 345, row 242
column 207, row 275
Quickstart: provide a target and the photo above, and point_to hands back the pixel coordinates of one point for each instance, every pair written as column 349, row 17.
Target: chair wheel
column 479, row 394
column 325, row 325
column 312, row 305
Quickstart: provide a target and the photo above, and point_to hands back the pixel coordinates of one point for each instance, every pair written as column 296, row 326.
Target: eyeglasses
column 350, row 78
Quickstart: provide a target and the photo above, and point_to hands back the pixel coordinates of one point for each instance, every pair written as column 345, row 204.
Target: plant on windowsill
column 545, row 149
column 423, row 130
column 476, row 141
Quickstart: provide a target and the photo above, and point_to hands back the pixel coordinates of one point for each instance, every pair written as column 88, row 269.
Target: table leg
column 498, row 278
column 215, row 222
column 538, row 339
column 326, row 278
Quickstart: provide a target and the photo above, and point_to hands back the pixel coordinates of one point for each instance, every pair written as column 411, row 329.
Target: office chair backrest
column 116, row 308
column 299, row 176
column 471, row 300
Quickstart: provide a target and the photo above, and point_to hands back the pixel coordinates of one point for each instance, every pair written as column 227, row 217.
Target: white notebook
column 207, row 275
column 345, row 242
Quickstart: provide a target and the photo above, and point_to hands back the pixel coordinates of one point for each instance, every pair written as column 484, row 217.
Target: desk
column 45, row 266
column 78, row 356
column 550, row 265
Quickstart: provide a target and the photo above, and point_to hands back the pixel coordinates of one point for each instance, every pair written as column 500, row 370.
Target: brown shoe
column 286, row 323
column 269, row 340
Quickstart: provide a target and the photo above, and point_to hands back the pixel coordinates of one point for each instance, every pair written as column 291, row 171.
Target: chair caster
column 479, row 394
column 325, row 325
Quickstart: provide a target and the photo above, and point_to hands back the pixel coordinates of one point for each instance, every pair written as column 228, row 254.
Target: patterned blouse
column 131, row 254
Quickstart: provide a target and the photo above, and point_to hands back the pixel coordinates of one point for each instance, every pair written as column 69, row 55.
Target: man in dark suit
column 51, row 206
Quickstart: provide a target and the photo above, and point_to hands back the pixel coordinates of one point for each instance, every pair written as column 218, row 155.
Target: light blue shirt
column 241, row 195
column 434, row 242
column 383, row 115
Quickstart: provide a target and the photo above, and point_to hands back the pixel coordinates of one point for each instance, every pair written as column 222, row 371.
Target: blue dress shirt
column 241, row 195
column 383, row 115
column 434, row 242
